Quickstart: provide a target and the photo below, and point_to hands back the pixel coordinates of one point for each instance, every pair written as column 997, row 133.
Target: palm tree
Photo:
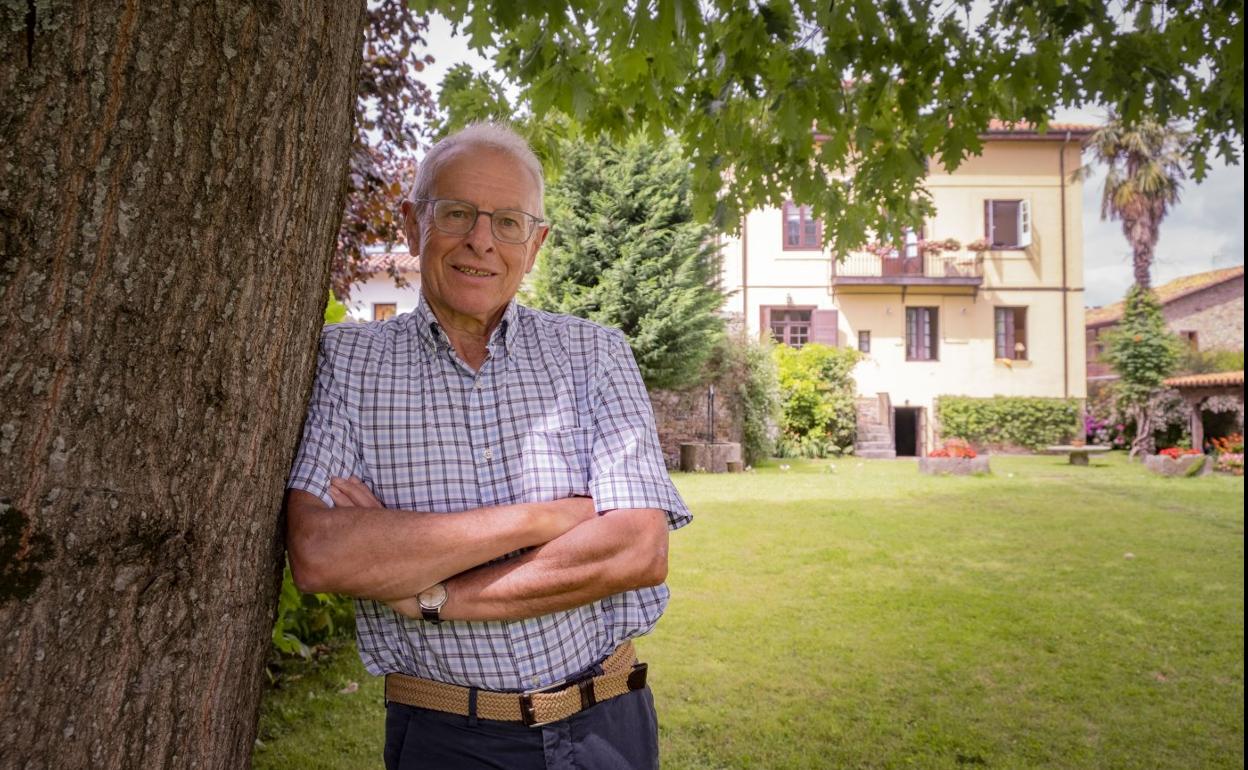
column 1145, row 169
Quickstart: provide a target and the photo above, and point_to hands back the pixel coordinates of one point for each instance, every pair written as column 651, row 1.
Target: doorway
column 907, row 427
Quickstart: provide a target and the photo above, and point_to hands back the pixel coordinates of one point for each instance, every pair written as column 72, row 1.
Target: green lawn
column 857, row 614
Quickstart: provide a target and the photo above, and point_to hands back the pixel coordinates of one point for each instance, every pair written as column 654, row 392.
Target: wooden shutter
column 1024, row 223
column 912, row 333
column 932, row 334
column 1018, row 333
column 823, row 327
column 1005, row 332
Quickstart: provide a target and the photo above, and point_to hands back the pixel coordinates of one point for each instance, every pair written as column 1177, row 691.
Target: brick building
column 1205, row 309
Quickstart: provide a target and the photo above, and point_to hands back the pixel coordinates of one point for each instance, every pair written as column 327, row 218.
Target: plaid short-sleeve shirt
column 558, row 409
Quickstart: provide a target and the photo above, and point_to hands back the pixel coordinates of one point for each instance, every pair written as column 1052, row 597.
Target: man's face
column 469, row 279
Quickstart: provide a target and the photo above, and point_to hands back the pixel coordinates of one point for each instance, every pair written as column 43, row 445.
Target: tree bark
column 170, row 189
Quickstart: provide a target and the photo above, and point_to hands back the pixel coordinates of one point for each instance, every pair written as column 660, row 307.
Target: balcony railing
column 958, row 268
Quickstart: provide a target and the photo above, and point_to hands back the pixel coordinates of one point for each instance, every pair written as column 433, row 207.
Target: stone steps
column 875, row 439
column 876, row 454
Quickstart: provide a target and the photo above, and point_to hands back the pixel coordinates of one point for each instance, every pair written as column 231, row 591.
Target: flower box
column 954, row 466
column 1182, row 465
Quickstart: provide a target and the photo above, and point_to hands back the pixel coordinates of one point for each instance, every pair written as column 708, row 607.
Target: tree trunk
column 170, row 190
column 1142, row 444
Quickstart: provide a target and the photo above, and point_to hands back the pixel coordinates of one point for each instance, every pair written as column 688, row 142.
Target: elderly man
column 486, row 480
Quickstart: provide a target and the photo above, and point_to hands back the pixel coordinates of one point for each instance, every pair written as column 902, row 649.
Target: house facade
column 1205, row 309
column 1000, row 317
column 379, row 297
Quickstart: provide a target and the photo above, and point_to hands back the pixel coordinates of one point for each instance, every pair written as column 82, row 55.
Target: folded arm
column 618, row 551
column 361, row 549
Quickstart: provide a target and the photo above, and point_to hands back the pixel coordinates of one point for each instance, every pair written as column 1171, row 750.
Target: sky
column 1205, row 231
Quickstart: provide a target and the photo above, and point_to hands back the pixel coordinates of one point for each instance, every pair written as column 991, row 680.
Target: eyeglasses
column 459, row 217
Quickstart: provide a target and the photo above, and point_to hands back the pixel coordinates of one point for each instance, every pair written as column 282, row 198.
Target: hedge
column 1001, row 420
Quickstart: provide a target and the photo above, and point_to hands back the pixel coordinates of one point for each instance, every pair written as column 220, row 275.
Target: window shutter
column 1024, row 223
column 1009, row 333
column 823, row 331
column 988, row 234
column 1000, row 335
column 933, row 334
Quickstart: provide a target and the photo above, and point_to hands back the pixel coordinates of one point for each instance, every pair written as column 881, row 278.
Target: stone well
column 719, row 457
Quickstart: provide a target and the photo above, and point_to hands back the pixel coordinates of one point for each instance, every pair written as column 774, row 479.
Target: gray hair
column 496, row 136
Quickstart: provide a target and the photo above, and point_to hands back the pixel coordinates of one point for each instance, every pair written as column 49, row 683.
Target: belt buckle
column 527, row 714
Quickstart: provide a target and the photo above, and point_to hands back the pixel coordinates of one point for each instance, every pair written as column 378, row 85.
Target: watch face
column 433, row 597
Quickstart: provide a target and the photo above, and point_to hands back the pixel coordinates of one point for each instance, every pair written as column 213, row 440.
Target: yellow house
column 1002, row 314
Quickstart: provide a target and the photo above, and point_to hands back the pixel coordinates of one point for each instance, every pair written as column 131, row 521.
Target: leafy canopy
column 626, row 252
column 393, row 111
column 885, row 85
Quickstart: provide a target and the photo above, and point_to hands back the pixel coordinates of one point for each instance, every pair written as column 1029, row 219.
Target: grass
column 857, row 614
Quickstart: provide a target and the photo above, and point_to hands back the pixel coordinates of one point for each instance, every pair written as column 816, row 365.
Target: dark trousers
column 617, row 734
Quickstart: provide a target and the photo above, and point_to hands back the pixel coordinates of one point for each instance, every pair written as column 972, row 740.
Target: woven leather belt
column 621, row 674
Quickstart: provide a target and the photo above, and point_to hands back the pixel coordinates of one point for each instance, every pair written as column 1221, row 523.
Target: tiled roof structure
column 1167, row 293
column 380, row 262
column 1002, row 130
column 1211, row 380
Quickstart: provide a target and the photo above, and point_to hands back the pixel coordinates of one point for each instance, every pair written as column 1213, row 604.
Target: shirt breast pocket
column 556, row 464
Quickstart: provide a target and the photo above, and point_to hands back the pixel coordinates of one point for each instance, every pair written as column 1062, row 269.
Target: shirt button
column 479, row 386
column 488, row 454
column 537, row 680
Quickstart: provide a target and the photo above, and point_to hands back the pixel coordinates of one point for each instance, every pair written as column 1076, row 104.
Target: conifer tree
column 1143, row 352
column 625, row 251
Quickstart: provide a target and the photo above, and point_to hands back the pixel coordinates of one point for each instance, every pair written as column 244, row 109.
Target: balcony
column 958, row 273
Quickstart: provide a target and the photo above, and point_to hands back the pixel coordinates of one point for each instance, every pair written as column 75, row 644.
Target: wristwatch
column 431, row 601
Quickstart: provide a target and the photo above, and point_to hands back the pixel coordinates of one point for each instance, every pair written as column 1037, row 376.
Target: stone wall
column 1216, row 315
column 681, row 416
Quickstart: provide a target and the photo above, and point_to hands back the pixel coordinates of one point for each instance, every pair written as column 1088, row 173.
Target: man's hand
column 352, row 492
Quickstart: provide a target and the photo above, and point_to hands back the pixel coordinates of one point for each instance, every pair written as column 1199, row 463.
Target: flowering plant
column 1230, row 462
column 882, row 250
column 1232, row 444
column 1175, row 452
column 956, row 448
column 1098, row 430
column 981, row 245
column 934, row 248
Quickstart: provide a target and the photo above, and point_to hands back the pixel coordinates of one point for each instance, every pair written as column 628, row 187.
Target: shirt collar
column 433, row 338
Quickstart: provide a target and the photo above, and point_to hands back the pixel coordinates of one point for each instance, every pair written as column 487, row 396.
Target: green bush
column 307, row 619
column 1004, row 420
column 335, row 311
column 1206, row 361
column 748, row 368
column 817, row 414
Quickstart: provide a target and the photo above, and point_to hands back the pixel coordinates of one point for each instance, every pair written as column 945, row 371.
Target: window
column 801, row 230
column 791, row 326
column 1190, row 338
column 910, row 242
column 864, row 341
column 384, row 310
column 1011, row 336
column 921, row 334
column 1007, row 224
